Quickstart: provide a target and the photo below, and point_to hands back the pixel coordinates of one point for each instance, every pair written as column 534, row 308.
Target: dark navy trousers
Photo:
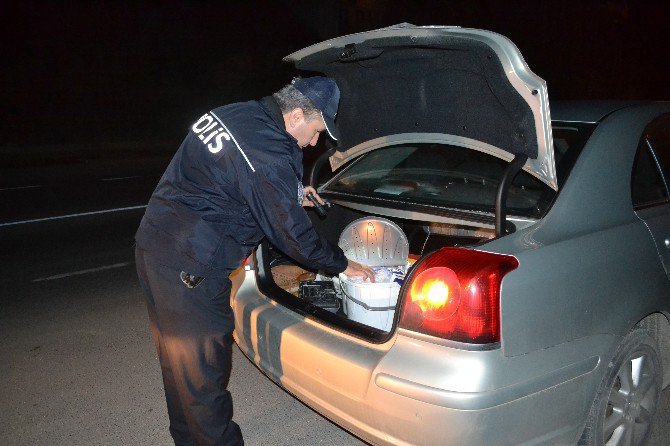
column 192, row 329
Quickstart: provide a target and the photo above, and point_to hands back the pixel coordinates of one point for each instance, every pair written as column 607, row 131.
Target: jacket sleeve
column 272, row 195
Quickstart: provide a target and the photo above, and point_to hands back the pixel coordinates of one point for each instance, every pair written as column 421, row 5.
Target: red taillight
column 455, row 294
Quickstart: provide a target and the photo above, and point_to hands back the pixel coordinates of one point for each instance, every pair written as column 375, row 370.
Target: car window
column 451, row 176
column 647, row 184
column 652, row 164
column 658, row 136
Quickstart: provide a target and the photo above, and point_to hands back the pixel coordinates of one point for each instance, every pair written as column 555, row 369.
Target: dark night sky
column 117, row 71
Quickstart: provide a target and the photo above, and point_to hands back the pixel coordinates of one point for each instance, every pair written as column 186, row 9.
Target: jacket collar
column 274, row 111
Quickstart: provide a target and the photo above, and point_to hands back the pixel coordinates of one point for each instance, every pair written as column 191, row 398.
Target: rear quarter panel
column 590, row 266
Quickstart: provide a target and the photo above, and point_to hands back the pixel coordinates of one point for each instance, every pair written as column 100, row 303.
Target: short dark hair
column 290, row 98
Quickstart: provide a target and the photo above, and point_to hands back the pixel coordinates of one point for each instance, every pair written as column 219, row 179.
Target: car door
column 650, row 184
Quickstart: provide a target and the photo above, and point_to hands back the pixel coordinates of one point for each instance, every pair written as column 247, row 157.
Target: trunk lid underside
column 417, row 83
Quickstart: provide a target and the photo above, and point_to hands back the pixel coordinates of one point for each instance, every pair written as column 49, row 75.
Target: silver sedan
column 534, row 293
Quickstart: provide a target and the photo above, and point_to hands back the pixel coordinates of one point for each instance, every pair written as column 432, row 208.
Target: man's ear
column 295, row 116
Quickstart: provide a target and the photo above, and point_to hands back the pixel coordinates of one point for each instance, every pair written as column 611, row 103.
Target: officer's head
column 309, row 107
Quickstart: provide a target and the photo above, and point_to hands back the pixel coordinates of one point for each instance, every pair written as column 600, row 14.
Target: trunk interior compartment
column 366, row 310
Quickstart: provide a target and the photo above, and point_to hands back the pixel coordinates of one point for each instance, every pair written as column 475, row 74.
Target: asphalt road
column 78, row 364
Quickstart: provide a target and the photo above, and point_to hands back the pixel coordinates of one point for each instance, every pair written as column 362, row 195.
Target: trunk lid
column 411, row 84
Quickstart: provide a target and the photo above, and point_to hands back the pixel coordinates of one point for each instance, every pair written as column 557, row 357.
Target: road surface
column 78, row 363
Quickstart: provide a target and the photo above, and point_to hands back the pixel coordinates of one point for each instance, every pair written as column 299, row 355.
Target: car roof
column 587, row 111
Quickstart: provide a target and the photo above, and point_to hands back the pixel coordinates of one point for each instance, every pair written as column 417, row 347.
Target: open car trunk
column 281, row 279
column 416, row 103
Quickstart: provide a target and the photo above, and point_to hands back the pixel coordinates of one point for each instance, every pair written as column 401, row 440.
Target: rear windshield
column 455, row 177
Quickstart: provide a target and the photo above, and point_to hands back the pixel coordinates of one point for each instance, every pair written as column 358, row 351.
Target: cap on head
column 325, row 95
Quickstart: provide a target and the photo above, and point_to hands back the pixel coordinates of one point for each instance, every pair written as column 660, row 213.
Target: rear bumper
column 409, row 391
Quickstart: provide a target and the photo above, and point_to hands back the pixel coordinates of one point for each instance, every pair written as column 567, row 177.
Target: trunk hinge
column 501, row 196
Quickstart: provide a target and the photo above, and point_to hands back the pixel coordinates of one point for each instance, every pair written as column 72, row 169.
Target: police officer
column 236, row 178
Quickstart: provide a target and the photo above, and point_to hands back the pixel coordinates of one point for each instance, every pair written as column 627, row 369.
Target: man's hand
column 357, row 270
column 306, row 202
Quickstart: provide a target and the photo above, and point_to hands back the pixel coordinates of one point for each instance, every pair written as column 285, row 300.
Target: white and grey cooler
column 375, row 242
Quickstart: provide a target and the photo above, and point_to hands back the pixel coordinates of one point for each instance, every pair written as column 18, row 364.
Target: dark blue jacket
column 236, row 178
